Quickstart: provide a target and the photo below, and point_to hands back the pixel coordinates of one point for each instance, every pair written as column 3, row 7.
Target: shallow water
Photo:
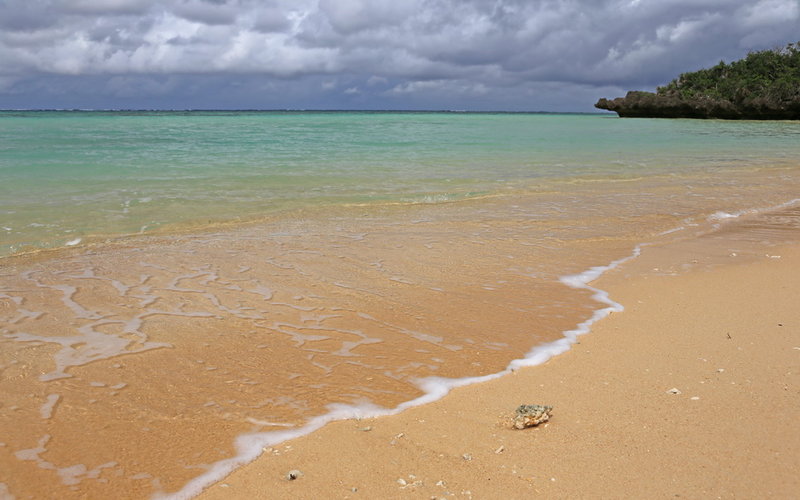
column 78, row 176
column 392, row 249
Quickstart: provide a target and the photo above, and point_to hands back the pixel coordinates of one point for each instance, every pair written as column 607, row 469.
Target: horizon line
column 296, row 110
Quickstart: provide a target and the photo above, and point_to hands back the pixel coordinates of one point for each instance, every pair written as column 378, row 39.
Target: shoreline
column 695, row 246
column 433, row 388
column 86, row 240
column 423, row 451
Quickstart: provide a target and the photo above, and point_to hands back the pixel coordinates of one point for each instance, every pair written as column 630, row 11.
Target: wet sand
column 720, row 327
column 153, row 364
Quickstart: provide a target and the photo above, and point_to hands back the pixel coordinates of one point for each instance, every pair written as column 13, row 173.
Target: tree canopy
column 768, row 74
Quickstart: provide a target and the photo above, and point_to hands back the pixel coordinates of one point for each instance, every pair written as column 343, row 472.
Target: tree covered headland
column 764, row 85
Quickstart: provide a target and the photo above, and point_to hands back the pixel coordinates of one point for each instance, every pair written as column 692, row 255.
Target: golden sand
column 129, row 368
column 691, row 392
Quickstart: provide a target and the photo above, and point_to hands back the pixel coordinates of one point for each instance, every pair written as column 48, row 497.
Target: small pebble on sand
column 293, row 474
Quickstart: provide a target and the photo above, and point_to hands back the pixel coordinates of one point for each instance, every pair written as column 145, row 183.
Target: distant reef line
column 764, row 85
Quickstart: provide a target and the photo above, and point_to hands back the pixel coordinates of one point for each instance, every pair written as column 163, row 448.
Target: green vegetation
column 773, row 75
column 764, row 85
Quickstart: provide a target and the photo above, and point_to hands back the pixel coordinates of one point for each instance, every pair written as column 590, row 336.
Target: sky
column 481, row 55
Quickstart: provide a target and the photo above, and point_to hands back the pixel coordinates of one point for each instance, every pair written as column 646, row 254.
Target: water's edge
column 250, row 446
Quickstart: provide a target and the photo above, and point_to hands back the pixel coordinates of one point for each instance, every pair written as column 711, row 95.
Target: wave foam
column 720, row 215
column 251, row 446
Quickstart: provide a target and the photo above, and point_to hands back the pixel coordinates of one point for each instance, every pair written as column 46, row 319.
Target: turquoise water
column 71, row 175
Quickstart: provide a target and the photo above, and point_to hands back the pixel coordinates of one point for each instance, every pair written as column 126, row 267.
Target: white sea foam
column 721, row 215
column 724, row 215
column 250, row 446
column 70, row 475
column 670, row 231
column 46, row 410
column 542, row 353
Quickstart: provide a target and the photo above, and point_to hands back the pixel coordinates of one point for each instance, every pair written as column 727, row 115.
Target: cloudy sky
column 368, row 54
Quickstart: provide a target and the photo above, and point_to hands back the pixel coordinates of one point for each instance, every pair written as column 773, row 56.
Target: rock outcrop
column 650, row 105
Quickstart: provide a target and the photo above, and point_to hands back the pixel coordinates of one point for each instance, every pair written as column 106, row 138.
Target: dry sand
column 727, row 337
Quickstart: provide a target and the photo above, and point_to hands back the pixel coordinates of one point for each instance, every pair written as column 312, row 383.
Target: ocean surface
column 71, row 175
column 180, row 290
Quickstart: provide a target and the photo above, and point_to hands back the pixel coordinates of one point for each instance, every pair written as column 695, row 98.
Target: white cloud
column 440, row 86
column 769, row 12
column 685, row 30
column 413, row 47
column 349, row 16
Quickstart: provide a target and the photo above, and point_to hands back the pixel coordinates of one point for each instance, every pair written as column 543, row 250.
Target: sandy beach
column 691, row 392
column 353, row 265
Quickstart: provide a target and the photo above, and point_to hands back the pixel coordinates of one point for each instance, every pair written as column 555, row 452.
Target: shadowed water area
column 230, row 275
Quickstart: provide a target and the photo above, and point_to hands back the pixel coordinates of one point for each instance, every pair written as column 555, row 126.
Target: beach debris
column 412, row 482
column 500, row 450
column 531, row 415
column 365, row 429
column 467, row 457
column 695, row 398
column 294, row 474
column 674, row 390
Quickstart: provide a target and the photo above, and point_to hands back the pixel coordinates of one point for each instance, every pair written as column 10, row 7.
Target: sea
column 181, row 290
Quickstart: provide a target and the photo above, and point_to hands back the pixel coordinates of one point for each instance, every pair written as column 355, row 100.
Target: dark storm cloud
column 370, row 53
column 206, row 12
